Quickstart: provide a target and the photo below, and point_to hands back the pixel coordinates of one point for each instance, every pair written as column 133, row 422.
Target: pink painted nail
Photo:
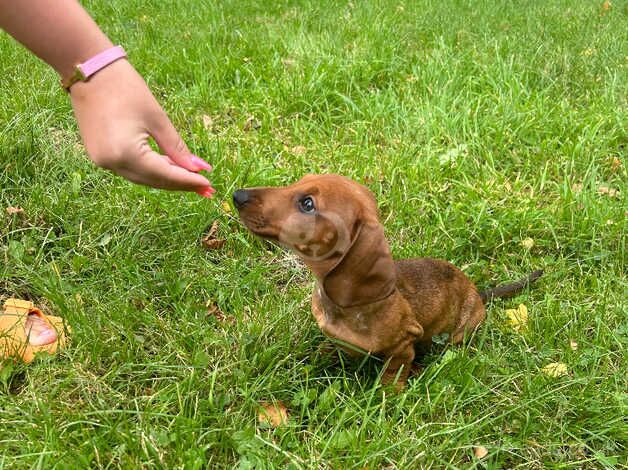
column 206, row 192
column 201, row 164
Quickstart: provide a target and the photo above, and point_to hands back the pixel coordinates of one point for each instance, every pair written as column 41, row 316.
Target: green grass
column 477, row 124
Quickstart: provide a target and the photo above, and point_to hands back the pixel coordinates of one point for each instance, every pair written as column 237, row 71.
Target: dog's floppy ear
column 367, row 271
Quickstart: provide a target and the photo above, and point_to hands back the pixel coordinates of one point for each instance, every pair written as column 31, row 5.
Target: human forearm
column 60, row 32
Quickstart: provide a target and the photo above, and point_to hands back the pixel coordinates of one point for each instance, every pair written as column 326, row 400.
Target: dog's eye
column 306, row 205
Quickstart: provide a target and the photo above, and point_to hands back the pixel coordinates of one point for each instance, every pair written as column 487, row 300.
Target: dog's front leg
column 399, row 366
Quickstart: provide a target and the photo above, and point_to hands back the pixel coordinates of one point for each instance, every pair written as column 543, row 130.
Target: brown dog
column 364, row 298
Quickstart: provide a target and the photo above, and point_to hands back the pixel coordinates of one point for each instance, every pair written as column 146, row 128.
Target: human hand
column 117, row 114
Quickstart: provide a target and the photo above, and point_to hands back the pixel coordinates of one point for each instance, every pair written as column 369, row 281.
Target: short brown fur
column 364, row 298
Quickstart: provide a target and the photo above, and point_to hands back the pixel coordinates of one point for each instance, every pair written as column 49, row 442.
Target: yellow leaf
column 480, row 452
column 573, row 345
column 299, row 150
column 528, row 243
column 555, row 369
column 226, row 207
column 518, row 317
column 273, row 414
column 208, row 122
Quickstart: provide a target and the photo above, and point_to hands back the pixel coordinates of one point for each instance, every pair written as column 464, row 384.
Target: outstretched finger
column 171, row 144
column 155, row 170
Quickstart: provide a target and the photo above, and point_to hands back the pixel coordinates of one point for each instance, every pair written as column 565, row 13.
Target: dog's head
column 331, row 222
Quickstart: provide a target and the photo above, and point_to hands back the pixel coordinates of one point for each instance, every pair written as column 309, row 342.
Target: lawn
column 493, row 134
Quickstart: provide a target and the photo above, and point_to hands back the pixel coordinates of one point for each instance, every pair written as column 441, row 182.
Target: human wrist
column 106, row 80
column 87, row 69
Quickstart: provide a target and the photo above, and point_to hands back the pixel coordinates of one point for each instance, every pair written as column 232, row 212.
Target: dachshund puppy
column 363, row 298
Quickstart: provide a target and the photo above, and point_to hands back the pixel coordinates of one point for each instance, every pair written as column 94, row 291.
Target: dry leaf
column 480, row 452
column 226, row 207
column 576, row 188
column 289, row 62
column 213, row 244
column 573, row 345
column 606, row 5
column 555, row 369
column 210, row 241
column 518, row 317
column 252, row 124
column 528, row 243
column 299, row 150
column 611, row 192
column 15, row 211
column 615, row 164
column 208, row 122
column 273, row 414
column 214, row 311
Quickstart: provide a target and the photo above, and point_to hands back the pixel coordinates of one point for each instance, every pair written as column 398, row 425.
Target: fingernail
column 206, row 192
column 202, row 164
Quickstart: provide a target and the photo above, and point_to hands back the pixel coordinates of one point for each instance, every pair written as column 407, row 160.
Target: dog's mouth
column 258, row 225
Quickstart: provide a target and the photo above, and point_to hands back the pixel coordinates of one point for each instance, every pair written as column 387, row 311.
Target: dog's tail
column 508, row 290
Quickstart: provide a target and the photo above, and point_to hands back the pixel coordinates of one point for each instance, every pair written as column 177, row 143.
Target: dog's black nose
column 240, row 198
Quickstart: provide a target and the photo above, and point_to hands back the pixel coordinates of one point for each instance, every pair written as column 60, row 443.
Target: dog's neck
column 363, row 275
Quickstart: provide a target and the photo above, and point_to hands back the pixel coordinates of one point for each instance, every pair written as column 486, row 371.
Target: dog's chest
column 358, row 326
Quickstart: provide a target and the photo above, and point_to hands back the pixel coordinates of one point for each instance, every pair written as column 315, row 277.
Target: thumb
column 172, row 145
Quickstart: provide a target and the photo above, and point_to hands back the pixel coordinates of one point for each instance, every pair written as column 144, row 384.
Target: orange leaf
column 15, row 211
column 480, row 452
column 273, row 414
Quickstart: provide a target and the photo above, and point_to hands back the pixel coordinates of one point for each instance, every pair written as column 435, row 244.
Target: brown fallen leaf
column 214, row 311
column 518, row 317
column 288, row 62
column 273, row 414
column 615, row 164
column 480, row 452
column 606, row 5
column 555, row 369
column 210, row 241
column 252, row 124
column 15, row 211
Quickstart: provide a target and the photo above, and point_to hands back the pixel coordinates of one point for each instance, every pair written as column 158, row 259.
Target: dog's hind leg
column 471, row 315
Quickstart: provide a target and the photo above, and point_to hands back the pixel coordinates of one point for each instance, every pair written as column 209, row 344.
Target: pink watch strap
column 88, row 68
